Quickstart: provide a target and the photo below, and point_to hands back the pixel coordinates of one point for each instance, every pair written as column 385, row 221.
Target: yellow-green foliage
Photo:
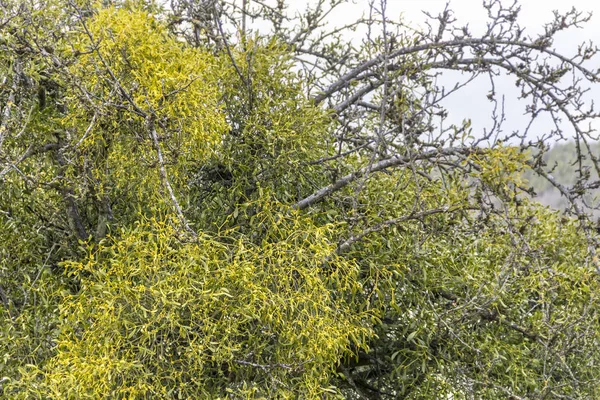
column 274, row 127
column 266, row 302
column 158, row 318
column 501, row 166
column 128, row 51
column 29, row 318
column 130, row 69
column 274, row 131
column 487, row 300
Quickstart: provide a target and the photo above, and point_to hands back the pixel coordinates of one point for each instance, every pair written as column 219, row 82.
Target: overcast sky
column 472, row 103
column 534, row 13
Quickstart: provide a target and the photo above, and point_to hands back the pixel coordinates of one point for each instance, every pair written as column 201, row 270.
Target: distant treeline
column 559, row 158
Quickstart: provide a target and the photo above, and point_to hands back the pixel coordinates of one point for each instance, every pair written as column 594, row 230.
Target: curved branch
column 463, row 42
column 165, row 177
column 345, row 246
column 394, row 161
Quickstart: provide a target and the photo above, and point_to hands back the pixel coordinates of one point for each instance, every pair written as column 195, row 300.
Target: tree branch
column 394, row 161
column 165, row 177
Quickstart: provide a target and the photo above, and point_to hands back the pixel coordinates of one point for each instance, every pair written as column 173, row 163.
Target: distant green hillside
column 559, row 158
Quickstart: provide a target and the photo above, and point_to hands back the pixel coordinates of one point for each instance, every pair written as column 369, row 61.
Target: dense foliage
column 190, row 213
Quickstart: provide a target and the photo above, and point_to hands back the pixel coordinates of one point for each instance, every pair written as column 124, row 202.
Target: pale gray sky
column 471, row 102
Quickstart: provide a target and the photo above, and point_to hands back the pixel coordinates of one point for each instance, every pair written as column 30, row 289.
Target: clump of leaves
column 158, row 317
